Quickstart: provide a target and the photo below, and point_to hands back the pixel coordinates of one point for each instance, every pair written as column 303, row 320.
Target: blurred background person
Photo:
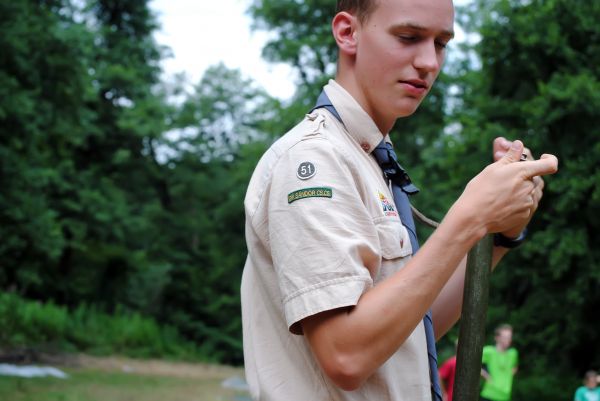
column 447, row 372
column 499, row 365
column 589, row 391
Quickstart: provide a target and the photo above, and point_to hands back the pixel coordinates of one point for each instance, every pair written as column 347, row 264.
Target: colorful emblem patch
column 388, row 207
column 317, row 192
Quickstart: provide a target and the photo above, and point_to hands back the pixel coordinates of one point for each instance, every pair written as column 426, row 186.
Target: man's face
column 400, row 51
column 591, row 382
column 504, row 339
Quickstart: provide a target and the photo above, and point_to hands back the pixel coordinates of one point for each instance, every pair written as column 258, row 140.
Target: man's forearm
column 388, row 313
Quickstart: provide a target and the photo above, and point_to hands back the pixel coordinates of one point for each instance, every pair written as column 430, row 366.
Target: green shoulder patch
column 317, row 192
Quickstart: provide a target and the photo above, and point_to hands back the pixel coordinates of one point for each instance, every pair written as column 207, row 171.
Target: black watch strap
column 505, row 242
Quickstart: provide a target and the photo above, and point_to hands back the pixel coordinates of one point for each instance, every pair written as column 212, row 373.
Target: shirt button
column 365, row 146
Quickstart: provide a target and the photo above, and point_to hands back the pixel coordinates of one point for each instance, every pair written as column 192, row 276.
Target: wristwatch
column 505, row 242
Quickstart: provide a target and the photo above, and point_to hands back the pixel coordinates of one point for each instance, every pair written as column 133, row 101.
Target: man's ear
column 344, row 31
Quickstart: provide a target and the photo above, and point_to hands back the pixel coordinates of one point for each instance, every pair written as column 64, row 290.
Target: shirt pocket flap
column 393, row 238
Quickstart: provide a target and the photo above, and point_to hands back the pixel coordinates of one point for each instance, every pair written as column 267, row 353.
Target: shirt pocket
column 394, row 240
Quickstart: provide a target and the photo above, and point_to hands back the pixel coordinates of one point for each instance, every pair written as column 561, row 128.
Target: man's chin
column 407, row 105
column 405, row 111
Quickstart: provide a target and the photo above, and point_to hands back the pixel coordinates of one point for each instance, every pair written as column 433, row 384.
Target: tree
column 99, row 205
column 43, row 80
column 220, row 130
column 77, row 125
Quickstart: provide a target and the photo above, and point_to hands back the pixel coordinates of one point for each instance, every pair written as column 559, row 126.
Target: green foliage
column 538, row 81
column 100, row 206
column 301, row 36
column 223, row 112
column 24, row 322
column 64, row 177
column 48, row 326
column 203, row 295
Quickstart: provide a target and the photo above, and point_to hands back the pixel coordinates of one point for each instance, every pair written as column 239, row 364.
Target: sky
column 202, row 33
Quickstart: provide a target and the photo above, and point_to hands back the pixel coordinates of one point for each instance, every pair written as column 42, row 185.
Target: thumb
column 514, row 153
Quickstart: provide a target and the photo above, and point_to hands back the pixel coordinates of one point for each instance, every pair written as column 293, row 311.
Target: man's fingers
column 501, row 144
column 547, row 164
column 538, row 182
column 528, row 154
column 514, row 153
column 500, row 147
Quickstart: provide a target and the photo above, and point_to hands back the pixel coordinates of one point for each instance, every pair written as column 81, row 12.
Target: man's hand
column 504, row 196
column 500, row 147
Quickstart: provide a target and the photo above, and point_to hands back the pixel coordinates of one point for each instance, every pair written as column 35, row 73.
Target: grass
column 95, row 385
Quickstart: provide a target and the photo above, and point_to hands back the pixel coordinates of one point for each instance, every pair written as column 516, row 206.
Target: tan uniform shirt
column 321, row 229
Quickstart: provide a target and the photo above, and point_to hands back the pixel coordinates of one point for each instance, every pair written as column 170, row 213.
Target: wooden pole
column 471, row 335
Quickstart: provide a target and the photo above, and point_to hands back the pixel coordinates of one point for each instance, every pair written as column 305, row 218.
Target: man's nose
column 428, row 57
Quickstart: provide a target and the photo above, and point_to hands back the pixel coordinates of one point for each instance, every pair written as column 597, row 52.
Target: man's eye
column 441, row 45
column 407, row 38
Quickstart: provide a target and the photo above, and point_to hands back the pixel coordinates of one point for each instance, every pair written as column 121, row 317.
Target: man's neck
column 348, row 82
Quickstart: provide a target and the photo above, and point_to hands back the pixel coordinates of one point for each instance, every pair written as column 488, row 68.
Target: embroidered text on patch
column 317, row 192
column 388, row 207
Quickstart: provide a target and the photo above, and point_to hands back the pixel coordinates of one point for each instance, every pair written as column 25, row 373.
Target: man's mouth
column 417, row 83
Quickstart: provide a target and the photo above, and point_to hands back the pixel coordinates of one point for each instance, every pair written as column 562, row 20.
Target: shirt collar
column 358, row 123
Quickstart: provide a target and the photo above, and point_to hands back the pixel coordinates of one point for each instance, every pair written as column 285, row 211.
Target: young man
column 499, row 365
column 332, row 296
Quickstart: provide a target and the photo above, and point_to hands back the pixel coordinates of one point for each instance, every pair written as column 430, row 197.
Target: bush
column 544, row 386
column 32, row 324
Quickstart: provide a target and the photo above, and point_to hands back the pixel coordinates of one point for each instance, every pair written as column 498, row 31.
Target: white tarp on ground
column 31, row 371
column 238, row 384
column 235, row 383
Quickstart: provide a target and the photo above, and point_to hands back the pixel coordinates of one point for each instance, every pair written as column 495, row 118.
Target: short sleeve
column 515, row 359
column 323, row 240
column 485, row 357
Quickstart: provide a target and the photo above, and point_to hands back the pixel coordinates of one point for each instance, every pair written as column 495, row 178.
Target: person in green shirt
column 499, row 365
column 589, row 391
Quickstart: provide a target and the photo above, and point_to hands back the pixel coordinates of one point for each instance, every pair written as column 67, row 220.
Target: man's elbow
column 346, row 372
column 345, row 381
